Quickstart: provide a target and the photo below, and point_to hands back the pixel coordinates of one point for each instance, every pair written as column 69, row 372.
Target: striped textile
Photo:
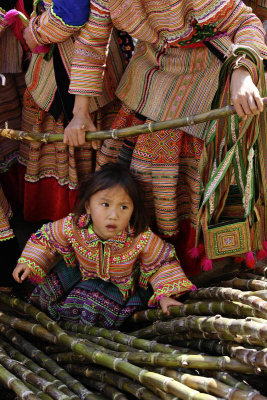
column 64, row 296
column 161, row 81
column 166, row 164
column 114, row 260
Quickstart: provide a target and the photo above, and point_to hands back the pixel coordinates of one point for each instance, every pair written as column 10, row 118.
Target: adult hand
column 166, row 302
column 74, row 134
column 28, row 39
column 21, row 272
column 245, row 96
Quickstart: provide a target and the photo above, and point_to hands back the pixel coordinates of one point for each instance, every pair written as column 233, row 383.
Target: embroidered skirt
column 166, row 165
column 50, row 174
column 64, row 296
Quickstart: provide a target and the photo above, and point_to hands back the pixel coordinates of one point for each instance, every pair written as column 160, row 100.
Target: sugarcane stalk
column 100, row 358
column 27, row 375
column 15, row 384
column 111, row 392
column 112, row 378
column 228, row 379
column 262, row 294
column 212, row 386
column 178, row 339
column 192, row 361
column 251, row 275
column 199, row 308
column 222, row 293
column 41, row 395
column 129, row 131
column 186, row 393
column 211, row 324
column 16, row 355
column 26, row 326
column 244, row 284
column 253, row 357
column 46, row 362
column 119, row 337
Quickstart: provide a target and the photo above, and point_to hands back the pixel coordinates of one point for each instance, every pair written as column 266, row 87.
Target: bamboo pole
column 129, row 131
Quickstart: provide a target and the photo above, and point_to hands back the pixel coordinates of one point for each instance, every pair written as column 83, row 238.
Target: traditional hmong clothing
column 53, row 172
column 105, row 274
column 173, row 73
column 12, row 59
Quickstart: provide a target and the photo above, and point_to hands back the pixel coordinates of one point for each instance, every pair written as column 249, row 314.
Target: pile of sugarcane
column 212, row 347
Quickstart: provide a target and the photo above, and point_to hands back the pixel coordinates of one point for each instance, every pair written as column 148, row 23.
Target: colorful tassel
column 250, row 260
column 261, row 254
column 207, row 265
column 265, row 245
column 238, row 260
column 194, row 252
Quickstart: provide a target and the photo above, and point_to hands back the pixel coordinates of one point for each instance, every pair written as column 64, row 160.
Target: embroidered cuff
column 174, row 289
column 37, row 273
column 242, row 61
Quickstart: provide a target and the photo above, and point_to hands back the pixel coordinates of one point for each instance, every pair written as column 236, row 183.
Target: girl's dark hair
column 108, row 176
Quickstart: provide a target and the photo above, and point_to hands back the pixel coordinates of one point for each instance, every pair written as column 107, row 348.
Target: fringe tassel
column 250, row 260
column 194, row 252
column 206, row 264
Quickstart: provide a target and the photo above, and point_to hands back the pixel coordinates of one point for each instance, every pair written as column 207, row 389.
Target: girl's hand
column 166, row 302
column 21, row 272
column 28, row 39
column 244, row 94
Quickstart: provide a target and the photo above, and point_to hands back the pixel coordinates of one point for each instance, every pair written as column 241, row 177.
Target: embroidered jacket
column 164, row 80
column 55, row 25
column 114, row 260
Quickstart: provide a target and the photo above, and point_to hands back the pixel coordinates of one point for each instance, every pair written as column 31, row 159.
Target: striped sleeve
column 243, row 28
column 90, row 51
column 50, row 28
column 45, row 247
column 160, row 267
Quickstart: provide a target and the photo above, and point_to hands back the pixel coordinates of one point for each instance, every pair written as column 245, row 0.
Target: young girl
column 113, row 255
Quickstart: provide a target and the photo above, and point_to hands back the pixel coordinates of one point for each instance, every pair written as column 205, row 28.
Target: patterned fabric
column 114, row 260
column 166, row 164
column 162, row 81
column 64, row 296
column 50, row 174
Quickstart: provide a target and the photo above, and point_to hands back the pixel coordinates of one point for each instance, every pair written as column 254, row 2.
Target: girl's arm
column 44, row 249
column 160, row 267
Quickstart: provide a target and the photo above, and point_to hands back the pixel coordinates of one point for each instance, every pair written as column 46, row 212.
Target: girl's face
column 111, row 210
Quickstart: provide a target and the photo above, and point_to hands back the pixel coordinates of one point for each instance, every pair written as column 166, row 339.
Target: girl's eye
column 105, row 204
column 124, row 207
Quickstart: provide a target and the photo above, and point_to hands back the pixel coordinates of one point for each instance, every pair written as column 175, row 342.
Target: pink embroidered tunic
column 114, row 260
